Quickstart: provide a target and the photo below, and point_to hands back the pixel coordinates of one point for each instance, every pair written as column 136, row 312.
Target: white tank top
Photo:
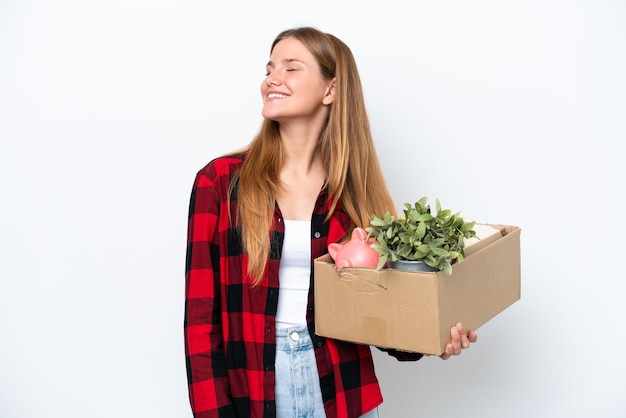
column 294, row 274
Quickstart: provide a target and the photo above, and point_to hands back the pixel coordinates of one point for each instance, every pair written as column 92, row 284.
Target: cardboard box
column 413, row 311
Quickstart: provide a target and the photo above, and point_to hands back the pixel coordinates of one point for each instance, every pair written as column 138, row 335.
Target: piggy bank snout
column 355, row 253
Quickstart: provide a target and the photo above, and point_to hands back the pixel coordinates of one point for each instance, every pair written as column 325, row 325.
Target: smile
column 276, row 96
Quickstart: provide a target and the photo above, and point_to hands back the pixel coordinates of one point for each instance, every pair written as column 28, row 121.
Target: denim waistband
column 293, row 338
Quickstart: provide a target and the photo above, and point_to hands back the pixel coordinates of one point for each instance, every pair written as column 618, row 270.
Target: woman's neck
column 302, row 177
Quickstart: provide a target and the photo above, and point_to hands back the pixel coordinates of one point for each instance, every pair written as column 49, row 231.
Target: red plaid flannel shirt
column 230, row 325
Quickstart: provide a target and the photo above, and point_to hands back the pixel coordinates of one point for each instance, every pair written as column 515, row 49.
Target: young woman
column 257, row 219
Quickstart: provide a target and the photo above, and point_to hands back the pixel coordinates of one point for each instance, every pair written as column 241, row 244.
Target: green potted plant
column 436, row 240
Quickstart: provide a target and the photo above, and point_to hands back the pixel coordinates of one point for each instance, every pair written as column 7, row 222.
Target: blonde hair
column 346, row 147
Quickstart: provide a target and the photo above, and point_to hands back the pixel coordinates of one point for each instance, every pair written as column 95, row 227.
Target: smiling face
column 294, row 89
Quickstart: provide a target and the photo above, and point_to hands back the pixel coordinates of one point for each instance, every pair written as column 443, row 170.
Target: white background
column 509, row 111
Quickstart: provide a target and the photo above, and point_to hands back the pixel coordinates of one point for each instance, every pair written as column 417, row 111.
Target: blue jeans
column 298, row 393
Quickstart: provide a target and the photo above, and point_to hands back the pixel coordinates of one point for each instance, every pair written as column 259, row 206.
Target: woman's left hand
column 460, row 341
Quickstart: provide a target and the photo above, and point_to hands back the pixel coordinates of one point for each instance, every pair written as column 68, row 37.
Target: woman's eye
column 288, row 69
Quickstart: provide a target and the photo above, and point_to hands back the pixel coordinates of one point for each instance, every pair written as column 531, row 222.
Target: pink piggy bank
column 355, row 253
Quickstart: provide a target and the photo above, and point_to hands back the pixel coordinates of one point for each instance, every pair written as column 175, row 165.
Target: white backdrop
column 510, row 111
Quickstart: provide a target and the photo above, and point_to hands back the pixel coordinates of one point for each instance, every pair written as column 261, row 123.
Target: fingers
column 460, row 340
column 447, row 353
column 465, row 342
column 466, row 337
column 457, row 340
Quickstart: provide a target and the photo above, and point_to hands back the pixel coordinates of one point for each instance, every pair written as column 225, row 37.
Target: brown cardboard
column 414, row 311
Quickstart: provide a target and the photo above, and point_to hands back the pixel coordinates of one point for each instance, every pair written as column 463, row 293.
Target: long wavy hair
column 346, row 148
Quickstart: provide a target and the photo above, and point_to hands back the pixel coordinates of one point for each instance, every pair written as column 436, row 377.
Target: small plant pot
column 411, row 265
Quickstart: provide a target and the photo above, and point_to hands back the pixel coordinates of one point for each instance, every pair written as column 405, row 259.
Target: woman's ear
column 329, row 97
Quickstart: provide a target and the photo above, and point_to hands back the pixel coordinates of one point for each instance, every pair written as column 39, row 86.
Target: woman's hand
column 460, row 340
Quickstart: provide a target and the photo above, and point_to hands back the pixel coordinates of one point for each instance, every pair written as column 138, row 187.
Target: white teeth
column 276, row 95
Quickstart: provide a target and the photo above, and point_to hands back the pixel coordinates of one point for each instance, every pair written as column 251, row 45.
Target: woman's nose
column 272, row 79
